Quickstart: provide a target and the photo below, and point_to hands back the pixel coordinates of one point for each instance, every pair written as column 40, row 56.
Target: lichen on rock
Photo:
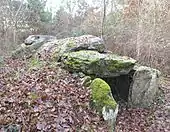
column 95, row 63
column 58, row 47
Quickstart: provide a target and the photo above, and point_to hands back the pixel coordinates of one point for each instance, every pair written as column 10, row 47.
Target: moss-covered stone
column 71, row 43
column 95, row 63
column 101, row 95
column 103, row 102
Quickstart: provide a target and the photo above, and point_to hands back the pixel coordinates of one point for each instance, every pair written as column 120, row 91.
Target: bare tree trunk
column 14, row 36
column 103, row 19
column 112, row 2
column 139, row 32
column 152, row 42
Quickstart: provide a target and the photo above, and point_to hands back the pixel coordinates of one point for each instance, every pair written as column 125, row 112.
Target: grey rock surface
column 98, row 64
column 32, row 39
column 145, row 86
column 31, row 45
column 86, row 42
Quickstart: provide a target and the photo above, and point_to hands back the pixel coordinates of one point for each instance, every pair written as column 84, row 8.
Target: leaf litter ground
column 50, row 99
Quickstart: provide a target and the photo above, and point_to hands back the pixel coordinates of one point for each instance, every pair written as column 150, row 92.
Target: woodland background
column 135, row 28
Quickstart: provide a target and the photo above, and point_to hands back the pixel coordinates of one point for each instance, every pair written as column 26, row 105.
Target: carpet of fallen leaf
column 45, row 99
column 49, row 99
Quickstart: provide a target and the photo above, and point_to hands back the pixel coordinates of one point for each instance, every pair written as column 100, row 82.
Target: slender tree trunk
column 139, row 32
column 152, row 42
column 112, row 2
column 103, row 19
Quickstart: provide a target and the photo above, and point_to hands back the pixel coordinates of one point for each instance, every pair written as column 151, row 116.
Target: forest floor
column 37, row 96
column 156, row 119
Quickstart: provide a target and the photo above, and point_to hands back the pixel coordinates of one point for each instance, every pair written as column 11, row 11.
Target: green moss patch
column 101, row 95
column 95, row 63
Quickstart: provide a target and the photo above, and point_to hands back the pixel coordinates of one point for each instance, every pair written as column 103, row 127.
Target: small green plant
column 35, row 63
column 33, row 96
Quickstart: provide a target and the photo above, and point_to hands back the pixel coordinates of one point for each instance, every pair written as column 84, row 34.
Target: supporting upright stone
column 144, row 86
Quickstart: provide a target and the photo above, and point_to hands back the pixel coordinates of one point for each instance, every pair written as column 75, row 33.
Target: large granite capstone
column 44, row 45
column 57, row 48
column 95, row 63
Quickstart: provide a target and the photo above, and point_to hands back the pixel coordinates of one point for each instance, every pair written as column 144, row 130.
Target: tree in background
column 19, row 18
column 63, row 23
column 38, row 11
column 136, row 28
column 11, row 21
